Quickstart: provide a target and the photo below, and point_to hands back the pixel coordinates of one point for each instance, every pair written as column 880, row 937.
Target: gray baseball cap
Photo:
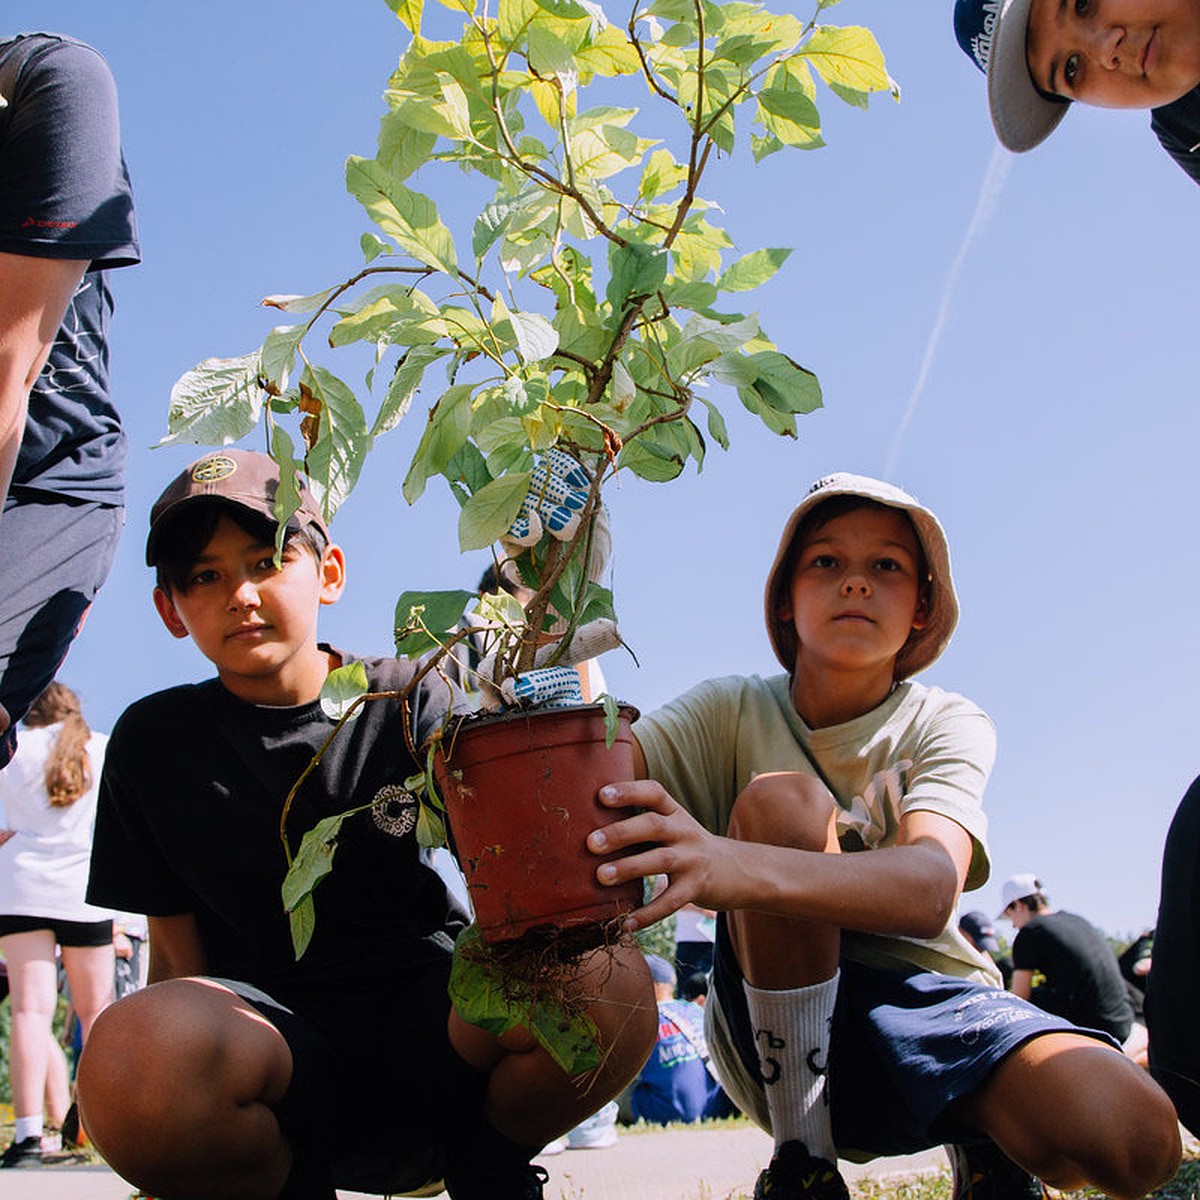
column 992, row 35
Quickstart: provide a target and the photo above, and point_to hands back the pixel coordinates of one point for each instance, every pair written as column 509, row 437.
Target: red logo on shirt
column 40, row 223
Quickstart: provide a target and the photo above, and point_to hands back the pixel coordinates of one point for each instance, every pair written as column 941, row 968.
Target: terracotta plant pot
column 520, row 793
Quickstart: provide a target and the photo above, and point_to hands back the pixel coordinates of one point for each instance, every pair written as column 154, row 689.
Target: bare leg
column 784, row 809
column 1074, row 1111
column 197, row 1122
column 90, row 977
column 33, row 992
column 790, row 968
column 58, row 1086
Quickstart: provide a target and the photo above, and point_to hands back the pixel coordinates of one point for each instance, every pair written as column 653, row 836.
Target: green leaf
column 287, row 493
column 313, row 861
column 480, row 996
column 537, row 339
column 637, row 271
column 372, row 246
column 612, row 719
column 409, row 11
column 335, row 459
column 448, row 428
column 402, row 147
column 784, row 385
column 496, row 1003
column 487, row 515
column 410, row 371
column 753, row 269
column 302, row 921
column 298, row 304
column 431, row 829
column 788, row 112
column 469, row 468
column 417, row 612
column 343, row 686
column 408, row 217
column 216, row 403
column 648, row 462
column 849, row 56
column 278, row 353
column 661, row 174
column 716, row 424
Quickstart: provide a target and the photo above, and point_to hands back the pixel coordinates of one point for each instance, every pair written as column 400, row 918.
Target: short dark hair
column 182, row 540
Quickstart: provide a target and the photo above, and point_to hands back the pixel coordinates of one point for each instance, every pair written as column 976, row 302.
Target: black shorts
column 56, row 554
column 66, row 933
column 376, row 1088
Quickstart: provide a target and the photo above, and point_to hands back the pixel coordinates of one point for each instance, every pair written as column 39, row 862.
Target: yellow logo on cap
column 213, row 468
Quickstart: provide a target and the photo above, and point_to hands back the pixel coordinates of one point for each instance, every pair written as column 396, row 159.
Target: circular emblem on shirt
column 394, row 810
column 213, row 468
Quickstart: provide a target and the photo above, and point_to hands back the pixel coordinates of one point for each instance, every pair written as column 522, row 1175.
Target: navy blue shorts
column 905, row 1046
column 56, row 554
column 376, row 1087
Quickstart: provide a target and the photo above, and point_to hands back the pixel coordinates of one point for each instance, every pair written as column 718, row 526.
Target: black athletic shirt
column 1177, row 127
column 191, row 793
column 1083, row 982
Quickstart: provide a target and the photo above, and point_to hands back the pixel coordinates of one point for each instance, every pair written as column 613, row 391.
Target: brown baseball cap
column 243, row 478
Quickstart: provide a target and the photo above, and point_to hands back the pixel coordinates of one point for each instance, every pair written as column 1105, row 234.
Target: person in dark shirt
column 1039, row 56
column 1082, row 981
column 66, row 218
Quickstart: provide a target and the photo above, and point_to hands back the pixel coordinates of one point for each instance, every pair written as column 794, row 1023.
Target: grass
column 1185, row 1186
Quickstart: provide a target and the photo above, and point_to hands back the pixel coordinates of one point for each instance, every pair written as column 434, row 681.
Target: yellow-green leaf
column 849, row 56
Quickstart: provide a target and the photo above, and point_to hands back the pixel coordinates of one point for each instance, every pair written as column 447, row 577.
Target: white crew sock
column 792, row 1031
column 27, row 1127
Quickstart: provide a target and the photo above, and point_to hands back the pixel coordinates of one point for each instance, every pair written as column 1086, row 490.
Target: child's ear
column 333, row 574
column 921, row 616
column 168, row 613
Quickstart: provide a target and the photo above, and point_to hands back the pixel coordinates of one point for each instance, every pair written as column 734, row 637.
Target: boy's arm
column 175, row 949
column 909, row 889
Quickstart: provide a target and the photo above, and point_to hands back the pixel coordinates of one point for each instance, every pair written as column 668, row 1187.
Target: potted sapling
column 584, row 329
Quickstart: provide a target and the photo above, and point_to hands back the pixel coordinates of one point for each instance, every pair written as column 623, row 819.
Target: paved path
column 706, row 1163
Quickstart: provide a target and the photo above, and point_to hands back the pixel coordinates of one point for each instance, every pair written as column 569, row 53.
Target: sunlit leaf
column 489, row 513
column 343, row 686
column 752, row 270
column 407, row 216
column 422, row 618
column 216, row 403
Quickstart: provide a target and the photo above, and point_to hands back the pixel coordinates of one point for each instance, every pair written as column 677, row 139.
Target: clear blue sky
column 1030, row 382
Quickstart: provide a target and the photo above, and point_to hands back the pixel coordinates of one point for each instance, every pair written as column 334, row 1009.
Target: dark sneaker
column 72, row 1135
column 794, row 1174
column 525, row 1184
column 25, row 1153
column 984, row 1172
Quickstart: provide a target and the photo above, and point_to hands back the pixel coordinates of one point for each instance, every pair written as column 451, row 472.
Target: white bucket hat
column 923, row 645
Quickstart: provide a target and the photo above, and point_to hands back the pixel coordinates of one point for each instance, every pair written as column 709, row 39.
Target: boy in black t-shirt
column 239, row 1070
column 1040, row 56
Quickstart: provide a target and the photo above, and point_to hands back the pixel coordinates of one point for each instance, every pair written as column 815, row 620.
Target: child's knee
column 784, row 808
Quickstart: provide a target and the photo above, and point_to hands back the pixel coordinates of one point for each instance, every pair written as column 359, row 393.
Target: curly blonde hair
column 68, row 769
